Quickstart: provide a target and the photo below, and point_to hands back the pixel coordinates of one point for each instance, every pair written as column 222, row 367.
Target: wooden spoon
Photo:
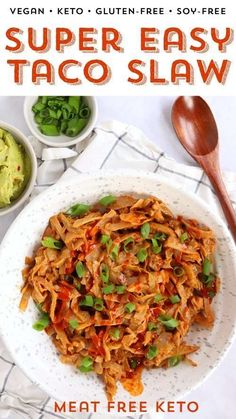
column 196, row 129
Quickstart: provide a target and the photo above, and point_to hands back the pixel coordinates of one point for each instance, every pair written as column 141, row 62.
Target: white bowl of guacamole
column 18, row 166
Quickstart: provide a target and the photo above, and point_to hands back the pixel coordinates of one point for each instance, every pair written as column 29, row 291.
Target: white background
column 216, row 397
column 129, row 26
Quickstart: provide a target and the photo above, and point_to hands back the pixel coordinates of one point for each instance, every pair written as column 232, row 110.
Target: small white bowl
column 60, row 140
column 21, row 139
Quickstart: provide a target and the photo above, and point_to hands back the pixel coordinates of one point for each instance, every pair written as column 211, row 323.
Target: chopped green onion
column 104, row 272
column 77, row 284
column 133, row 363
column 109, row 289
column 52, row 243
column 156, row 247
column 145, row 230
column 61, row 114
column 183, row 237
column 160, row 236
column 152, row 352
column 178, row 271
column 174, row 360
column 129, row 307
column 114, row 252
column 86, row 364
column 78, row 209
column 39, row 307
column 120, row 289
column 109, row 244
column 208, row 279
column 115, row 333
column 127, row 242
column 104, row 239
column 142, row 254
column 80, row 269
column 87, row 301
column 151, row 326
column 175, row 299
column 41, row 323
column 98, row 304
column 169, row 322
column 73, row 323
column 207, row 267
column 158, row 298
column 107, row 200
column 211, row 294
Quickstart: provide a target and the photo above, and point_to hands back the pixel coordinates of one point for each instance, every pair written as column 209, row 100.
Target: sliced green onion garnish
column 104, row 272
column 158, row 298
column 145, row 230
column 152, row 352
column 127, row 242
column 114, row 252
column 39, row 307
column 86, row 364
column 98, row 304
column 130, row 307
column 133, row 363
column 109, row 289
column 178, row 271
column 151, row 326
column 104, row 239
column 115, row 333
column 207, row 267
column 169, row 322
column 87, row 301
column 77, row 284
column 160, row 236
column 78, row 209
column 41, row 323
column 52, row 243
column 120, row 289
column 175, row 299
column 174, row 360
column 142, row 254
column 211, row 294
column 208, row 279
column 73, row 323
column 80, row 269
column 109, row 244
column 156, row 247
column 61, row 114
column 183, row 237
column 107, row 200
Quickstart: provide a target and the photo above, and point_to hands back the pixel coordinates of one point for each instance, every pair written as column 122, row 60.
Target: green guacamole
column 15, row 168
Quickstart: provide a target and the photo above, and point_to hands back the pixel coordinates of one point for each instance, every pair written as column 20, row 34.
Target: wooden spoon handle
column 215, row 176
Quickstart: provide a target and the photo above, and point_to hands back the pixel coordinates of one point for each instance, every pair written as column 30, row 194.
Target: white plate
column 33, row 351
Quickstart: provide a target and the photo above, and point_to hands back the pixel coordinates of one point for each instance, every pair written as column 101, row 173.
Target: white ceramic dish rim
column 22, row 139
column 157, row 178
column 67, row 143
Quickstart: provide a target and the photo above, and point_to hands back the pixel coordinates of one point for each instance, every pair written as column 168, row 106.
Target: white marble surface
column 216, row 397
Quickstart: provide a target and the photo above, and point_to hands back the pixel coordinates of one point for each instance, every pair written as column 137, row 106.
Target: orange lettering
column 207, row 72
column 109, row 42
column 62, row 71
column 146, row 40
column 10, row 34
column 91, row 65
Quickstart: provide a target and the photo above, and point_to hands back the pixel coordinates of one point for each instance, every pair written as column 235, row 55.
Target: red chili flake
column 70, row 267
column 64, row 294
column 97, row 342
column 155, row 311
